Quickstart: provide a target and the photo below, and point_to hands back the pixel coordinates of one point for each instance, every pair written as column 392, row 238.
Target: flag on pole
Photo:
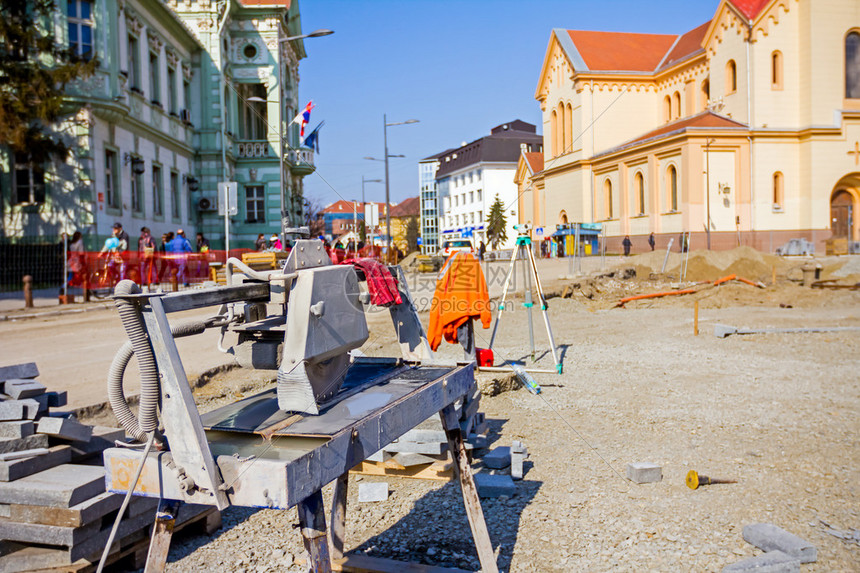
column 304, row 117
column 313, row 139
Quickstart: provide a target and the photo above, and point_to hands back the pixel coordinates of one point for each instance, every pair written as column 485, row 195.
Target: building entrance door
column 841, row 215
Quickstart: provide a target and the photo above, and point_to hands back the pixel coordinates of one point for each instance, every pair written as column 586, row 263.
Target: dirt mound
column 710, row 265
column 409, row 260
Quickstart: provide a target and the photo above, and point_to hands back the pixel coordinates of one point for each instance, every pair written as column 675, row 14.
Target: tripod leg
column 504, row 296
column 527, row 302
column 543, row 307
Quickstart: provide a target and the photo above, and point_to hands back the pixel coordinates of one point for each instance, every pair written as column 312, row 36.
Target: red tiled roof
column 341, row 206
column 620, row 50
column 750, row 8
column 704, row 119
column 535, row 160
column 687, row 45
column 406, row 208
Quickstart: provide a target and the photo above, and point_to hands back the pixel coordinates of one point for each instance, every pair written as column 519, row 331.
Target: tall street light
column 708, row 188
column 314, row 34
column 385, row 126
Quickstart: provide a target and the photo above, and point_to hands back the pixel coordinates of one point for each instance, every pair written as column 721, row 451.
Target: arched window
column 562, row 217
column 676, row 105
column 852, row 65
column 672, row 177
column 569, row 127
column 667, row 109
column 731, row 77
column 639, row 185
column 777, row 190
column 553, row 128
column 560, row 131
column 776, row 70
column 706, row 93
column 607, row 199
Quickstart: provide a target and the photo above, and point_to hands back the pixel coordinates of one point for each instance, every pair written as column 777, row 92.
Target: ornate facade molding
column 133, row 23
column 155, row 41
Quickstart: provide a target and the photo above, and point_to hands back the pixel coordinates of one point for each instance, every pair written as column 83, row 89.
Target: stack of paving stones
column 427, row 444
column 54, row 510
column 500, row 467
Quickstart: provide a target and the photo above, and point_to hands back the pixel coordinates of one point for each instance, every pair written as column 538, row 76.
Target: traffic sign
column 228, row 198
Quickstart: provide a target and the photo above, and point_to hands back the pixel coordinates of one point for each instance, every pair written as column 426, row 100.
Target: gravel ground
column 777, row 413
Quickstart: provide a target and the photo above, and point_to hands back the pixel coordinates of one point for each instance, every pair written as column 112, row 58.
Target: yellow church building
column 744, row 130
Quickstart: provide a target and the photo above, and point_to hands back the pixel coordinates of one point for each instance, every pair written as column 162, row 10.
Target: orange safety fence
column 100, row 272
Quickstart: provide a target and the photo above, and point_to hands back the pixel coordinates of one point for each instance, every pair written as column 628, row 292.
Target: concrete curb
column 14, row 318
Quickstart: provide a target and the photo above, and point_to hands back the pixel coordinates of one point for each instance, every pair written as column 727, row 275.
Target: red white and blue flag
column 304, row 117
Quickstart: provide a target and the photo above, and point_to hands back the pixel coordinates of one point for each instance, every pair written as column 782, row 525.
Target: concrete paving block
column 517, row 462
column 65, row 428
column 46, row 534
column 28, row 370
column 11, row 410
column 5, row 511
column 17, row 469
column 379, row 457
column 420, row 435
column 83, row 513
column 770, row 562
column 61, row 486
column 57, row 399
column 498, row 458
column 480, row 440
column 103, row 438
column 31, row 408
column 494, row 485
column 517, row 447
column 644, row 472
column 17, row 429
column 372, row 491
column 19, row 444
column 769, row 537
column 410, row 459
column 19, row 389
column 429, row 448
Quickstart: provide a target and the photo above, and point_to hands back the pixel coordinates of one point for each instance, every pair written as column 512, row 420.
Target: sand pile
column 710, row 265
column 409, row 260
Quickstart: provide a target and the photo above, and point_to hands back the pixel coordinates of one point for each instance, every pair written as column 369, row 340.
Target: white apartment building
column 470, row 177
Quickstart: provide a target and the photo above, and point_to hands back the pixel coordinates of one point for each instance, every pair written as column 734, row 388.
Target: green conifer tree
column 497, row 223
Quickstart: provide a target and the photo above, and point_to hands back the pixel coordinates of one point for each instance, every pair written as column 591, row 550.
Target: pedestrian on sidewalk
column 77, row 260
column 146, row 254
column 179, row 248
column 652, row 241
column 627, row 244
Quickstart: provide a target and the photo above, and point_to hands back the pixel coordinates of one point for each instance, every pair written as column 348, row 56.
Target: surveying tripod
column 524, row 249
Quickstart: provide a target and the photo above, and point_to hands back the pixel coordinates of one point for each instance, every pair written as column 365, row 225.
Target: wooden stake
column 312, row 520
column 162, row 532
column 773, row 277
column 463, row 472
column 696, row 318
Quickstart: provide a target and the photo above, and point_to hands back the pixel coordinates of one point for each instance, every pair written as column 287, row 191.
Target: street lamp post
column 385, row 126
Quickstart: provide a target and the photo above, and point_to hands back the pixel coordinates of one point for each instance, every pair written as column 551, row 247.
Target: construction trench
column 774, row 412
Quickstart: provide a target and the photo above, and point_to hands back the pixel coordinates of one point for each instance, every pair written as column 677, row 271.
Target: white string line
column 563, row 419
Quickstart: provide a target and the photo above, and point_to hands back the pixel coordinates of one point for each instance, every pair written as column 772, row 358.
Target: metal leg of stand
column 338, row 516
column 312, row 520
column 466, row 337
column 502, row 300
column 162, row 533
column 527, row 301
column 544, row 312
column 463, row 472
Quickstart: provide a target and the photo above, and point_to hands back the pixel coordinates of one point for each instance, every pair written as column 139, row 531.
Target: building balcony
column 301, row 161
column 254, row 149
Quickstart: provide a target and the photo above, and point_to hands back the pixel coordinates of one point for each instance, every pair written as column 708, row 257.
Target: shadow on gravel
column 436, row 531
column 183, row 545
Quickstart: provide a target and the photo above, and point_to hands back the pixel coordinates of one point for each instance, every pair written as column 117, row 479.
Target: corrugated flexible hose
column 138, row 345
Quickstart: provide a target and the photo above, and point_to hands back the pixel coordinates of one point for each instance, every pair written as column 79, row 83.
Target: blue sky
column 458, row 67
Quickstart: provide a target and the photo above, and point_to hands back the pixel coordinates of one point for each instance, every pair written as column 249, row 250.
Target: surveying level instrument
column 523, row 251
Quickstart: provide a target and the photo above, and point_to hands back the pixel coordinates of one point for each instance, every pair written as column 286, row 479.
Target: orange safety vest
column 461, row 295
